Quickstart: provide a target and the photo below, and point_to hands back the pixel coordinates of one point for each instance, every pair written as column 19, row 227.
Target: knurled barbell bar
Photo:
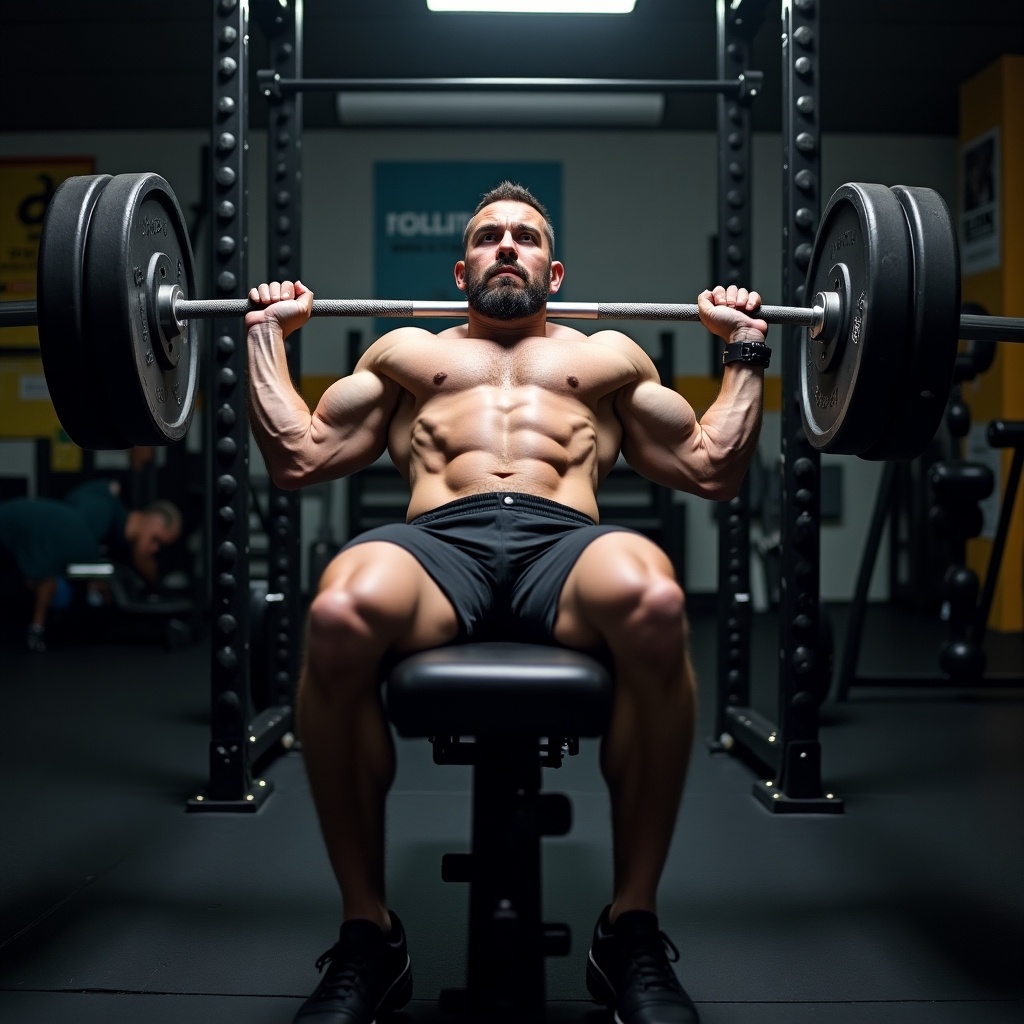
column 118, row 337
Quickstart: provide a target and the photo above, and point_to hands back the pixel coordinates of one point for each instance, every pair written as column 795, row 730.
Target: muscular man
column 503, row 427
column 42, row 536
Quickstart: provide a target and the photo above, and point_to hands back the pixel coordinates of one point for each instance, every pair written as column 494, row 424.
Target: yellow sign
column 26, row 186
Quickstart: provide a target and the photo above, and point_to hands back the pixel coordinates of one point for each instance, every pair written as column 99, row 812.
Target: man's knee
column 630, row 580
column 357, row 611
column 625, row 591
column 660, row 604
column 348, row 632
column 374, row 598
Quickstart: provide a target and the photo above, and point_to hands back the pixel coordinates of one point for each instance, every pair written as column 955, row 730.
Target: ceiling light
column 535, row 6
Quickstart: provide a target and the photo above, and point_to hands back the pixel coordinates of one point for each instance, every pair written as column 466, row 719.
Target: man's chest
column 573, row 369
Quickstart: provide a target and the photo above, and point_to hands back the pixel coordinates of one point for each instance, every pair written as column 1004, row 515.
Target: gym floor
column 117, row 906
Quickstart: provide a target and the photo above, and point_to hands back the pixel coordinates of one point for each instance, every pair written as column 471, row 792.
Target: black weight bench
column 507, row 709
column 172, row 613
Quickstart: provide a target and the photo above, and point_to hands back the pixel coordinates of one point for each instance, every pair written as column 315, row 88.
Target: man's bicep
column 360, row 403
column 658, row 429
column 652, row 414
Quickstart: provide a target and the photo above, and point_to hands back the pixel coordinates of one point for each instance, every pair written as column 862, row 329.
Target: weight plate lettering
column 74, row 376
column 845, row 407
column 137, row 218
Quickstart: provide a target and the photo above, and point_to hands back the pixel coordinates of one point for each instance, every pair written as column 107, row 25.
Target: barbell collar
column 828, row 310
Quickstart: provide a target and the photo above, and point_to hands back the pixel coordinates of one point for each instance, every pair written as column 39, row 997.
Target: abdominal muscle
column 495, row 439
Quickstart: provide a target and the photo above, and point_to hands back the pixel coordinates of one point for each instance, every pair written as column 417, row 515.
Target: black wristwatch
column 755, row 352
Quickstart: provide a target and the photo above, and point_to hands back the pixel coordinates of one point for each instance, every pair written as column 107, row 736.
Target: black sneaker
column 367, row 975
column 629, row 971
column 35, row 639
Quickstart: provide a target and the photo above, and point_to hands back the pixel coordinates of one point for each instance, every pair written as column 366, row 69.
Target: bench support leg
column 505, row 968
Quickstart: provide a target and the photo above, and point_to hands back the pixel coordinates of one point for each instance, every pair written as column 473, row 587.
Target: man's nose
column 507, row 243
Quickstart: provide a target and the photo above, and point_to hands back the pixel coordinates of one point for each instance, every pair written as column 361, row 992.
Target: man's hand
column 285, row 303
column 724, row 312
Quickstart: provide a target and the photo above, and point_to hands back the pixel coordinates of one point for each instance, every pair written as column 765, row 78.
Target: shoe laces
column 346, row 974
column 649, row 962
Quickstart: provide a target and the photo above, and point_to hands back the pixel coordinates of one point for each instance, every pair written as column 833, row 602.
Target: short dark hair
column 513, row 192
column 167, row 511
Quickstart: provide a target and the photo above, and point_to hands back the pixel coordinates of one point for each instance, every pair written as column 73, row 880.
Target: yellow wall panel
column 994, row 101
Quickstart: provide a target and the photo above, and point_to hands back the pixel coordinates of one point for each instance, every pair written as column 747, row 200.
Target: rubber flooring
column 117, row 906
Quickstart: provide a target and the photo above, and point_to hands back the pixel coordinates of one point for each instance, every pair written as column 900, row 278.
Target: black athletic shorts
column 501, row 559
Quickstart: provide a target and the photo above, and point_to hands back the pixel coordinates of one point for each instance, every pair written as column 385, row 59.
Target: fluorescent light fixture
column 535, row 6
column 493, row 109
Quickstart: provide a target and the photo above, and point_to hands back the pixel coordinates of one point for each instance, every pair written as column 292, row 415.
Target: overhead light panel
column 534, row 6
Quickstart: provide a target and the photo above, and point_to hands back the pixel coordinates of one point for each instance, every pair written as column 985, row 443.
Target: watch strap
column 755, row 352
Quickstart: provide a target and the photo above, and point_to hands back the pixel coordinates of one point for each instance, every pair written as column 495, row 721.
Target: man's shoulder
column 624, row 346
column 386, row 345
column 615, row 341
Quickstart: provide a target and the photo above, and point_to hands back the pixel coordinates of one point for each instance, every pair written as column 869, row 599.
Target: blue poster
column 421, row 210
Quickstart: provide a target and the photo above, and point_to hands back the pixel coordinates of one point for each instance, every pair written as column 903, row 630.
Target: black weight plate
column 73, row 374
column 927, row 375
column 138, row 218
column 845, row 407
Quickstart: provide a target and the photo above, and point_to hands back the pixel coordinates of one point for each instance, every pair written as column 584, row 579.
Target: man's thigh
column 389, row 584
column 603, row 585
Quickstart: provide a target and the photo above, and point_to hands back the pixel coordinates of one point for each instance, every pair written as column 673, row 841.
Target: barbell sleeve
column 18, row 314
column 974, row 327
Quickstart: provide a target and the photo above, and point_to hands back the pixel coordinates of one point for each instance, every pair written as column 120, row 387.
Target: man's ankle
column 382, row 921
column 620, row 907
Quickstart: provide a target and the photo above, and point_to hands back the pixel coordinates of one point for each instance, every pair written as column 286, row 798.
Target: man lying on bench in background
column 42, row 536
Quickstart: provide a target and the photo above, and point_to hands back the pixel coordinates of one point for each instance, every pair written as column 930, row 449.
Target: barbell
column 118, row 330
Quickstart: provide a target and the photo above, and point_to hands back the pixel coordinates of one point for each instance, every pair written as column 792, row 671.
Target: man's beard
column 501, row 299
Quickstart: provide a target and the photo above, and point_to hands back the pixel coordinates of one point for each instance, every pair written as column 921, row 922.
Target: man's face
column 508, row 272
column 154, row 534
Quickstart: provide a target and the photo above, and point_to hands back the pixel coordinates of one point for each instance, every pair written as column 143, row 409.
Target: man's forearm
column 44, row 590
column 732, row 423
column 279, row 417
column 146, row 566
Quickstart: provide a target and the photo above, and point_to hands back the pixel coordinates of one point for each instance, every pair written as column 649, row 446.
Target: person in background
column 42, row 536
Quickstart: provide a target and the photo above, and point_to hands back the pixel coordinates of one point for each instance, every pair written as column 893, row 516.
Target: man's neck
column 507, row 332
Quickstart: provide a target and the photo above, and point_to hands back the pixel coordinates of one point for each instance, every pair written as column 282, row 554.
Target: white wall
column 638, row 210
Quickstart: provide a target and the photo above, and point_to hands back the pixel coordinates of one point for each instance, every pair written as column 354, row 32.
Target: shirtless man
column 503, row 427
